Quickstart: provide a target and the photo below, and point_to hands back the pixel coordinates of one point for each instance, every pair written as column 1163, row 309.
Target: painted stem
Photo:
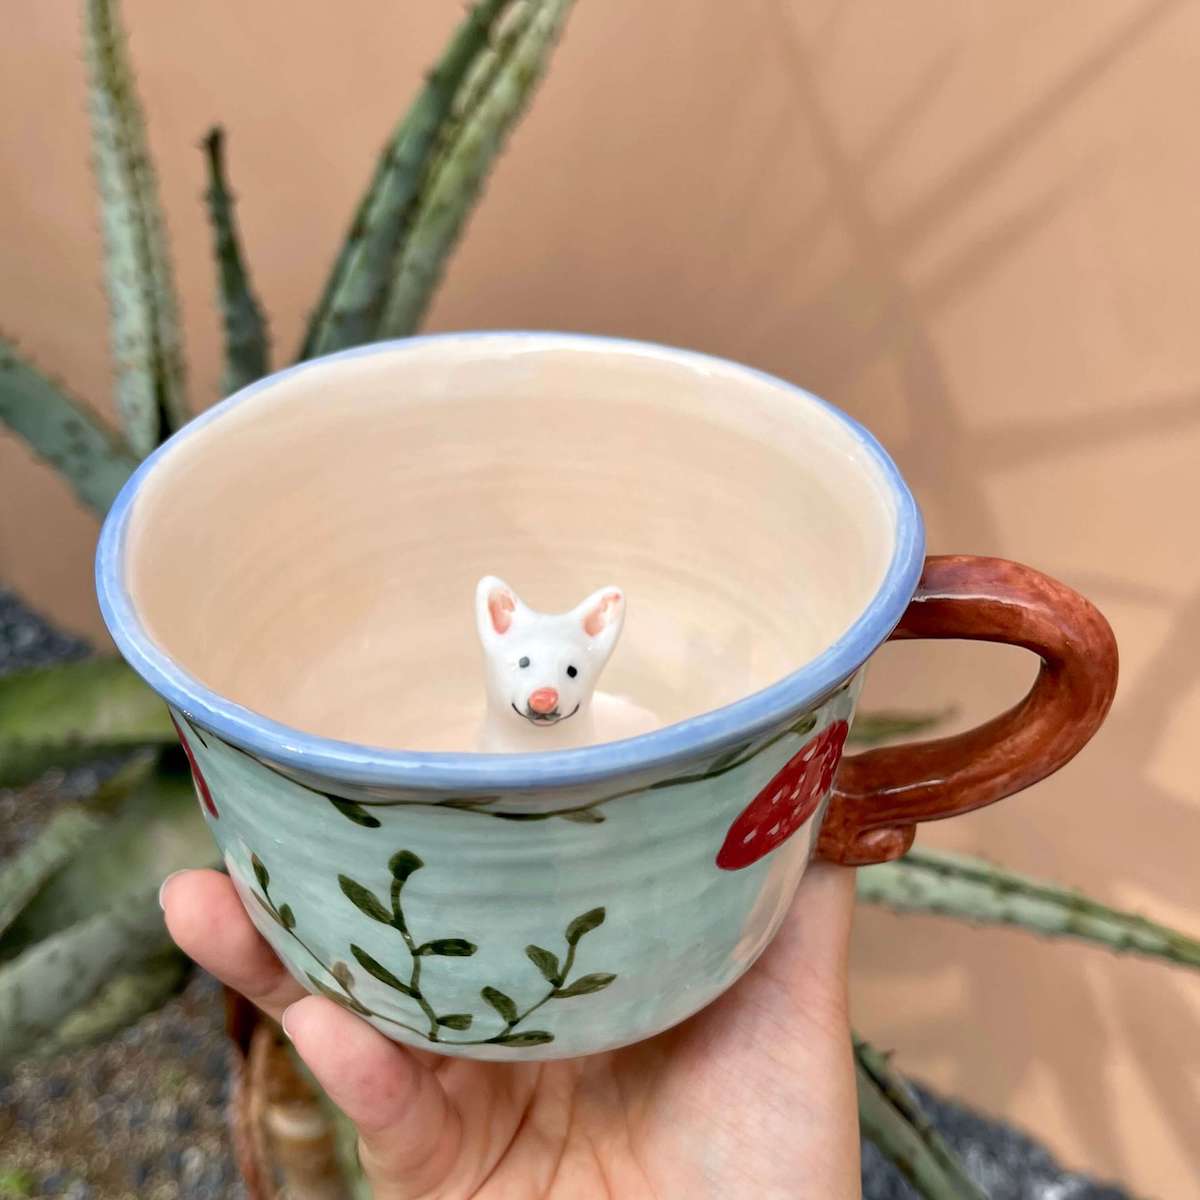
column 273, row 909
column 722, row 766
column 925, row 881
column 891, row 1118
column 247, row 355
column 568, row 963
column 414, row 980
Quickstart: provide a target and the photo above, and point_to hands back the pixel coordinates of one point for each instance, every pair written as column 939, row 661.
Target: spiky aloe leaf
column 68, row 435
column 121, row 1001
column 891, row 1118
column 72, row 712
column 449, row 194
column 349, row 310
column 146, row 342
column 60, row 974
column 55, row 844
column 151, row 826
column 509, row 26
column 953, row 885
column 869, row 729
column 247, row 353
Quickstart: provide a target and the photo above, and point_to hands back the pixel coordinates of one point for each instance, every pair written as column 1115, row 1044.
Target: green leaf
column 120, row 1002
column 89, row 455
column 350, row 307
column 62, row 973
column 337, row 997
column 364, row 900
column 545, row 962
column 582, row 816
column 893, row 1120
column 585, row 985
column 449, row 948
column 151, row 826
column 377, row 970
column 403, row 863
column 503, row 1004
column 146, row 342
column 953, row 885
column 531, row 1037
column 869, row 729
column 448, row 195
column 287, row 918
column 806, row 724
column 74, row 712
column 341, row 972
column 456, row 1021
column 354, row 812
column 584, row 924
column 729, row 759
column 55, row 844
column 247, row 355
column 96, row 919
column 260, row 872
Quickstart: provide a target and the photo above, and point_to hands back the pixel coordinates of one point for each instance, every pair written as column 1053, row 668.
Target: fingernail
column 162, row 887
column 283, row 1016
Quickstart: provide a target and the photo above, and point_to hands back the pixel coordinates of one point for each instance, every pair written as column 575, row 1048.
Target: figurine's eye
column 524, row 661
column 571, row 672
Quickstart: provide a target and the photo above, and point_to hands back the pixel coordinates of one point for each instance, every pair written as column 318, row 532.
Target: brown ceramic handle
column 879, row 795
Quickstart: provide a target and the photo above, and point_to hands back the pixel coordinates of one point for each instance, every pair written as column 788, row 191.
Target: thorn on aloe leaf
column 349, row 310
column 146, row 340
column 449, row 194
column 926, row 881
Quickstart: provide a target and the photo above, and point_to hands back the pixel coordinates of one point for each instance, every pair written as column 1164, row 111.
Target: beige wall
column 974, row 225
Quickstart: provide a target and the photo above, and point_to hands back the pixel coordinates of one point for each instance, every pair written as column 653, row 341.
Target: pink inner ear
column 600, row 616
column 500, row 607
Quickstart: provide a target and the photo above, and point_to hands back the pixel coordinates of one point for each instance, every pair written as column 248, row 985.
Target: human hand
column 752, row 1098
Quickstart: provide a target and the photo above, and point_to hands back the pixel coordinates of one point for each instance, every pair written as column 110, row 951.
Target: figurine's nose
column 544, row 700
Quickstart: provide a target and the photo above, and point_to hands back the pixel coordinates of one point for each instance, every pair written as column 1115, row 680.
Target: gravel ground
column 142, row 1117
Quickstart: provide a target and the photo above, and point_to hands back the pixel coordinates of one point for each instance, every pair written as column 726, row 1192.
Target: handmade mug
column 294, row 572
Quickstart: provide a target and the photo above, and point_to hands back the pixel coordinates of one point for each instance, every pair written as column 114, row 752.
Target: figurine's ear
column 497, row 608
column 601, row 616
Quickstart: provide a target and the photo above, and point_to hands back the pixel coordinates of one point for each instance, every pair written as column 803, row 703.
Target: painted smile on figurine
column 536, row 716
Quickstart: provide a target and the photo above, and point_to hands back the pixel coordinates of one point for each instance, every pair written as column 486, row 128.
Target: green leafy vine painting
column 419, row 954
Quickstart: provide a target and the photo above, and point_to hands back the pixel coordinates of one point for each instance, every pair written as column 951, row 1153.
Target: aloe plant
column 78, row 926
column 78, row 921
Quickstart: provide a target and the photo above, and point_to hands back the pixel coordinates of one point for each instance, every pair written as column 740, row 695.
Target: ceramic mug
column 294, row 574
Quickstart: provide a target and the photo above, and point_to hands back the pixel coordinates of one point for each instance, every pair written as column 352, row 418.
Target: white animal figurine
column 542, row 670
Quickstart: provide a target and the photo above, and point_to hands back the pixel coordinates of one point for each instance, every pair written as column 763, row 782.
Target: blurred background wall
column 975, row 226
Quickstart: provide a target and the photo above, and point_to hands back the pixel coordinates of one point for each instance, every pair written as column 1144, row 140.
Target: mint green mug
column 293, row 572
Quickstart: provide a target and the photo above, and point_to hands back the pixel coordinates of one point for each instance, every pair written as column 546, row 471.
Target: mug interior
column 310, row 551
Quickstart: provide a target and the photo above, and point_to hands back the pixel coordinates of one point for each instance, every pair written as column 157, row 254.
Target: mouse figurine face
column 542, row 668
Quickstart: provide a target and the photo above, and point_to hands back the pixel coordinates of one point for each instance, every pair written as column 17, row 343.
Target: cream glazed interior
column 312, row 551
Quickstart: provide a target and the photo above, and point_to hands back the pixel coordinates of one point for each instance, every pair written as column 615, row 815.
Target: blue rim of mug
column 369, row 766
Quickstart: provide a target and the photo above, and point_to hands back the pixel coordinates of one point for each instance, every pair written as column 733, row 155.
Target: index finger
column 209, row 924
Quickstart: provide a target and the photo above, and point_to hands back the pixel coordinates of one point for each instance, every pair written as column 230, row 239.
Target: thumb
column 811, row 951
column 410, row 1134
